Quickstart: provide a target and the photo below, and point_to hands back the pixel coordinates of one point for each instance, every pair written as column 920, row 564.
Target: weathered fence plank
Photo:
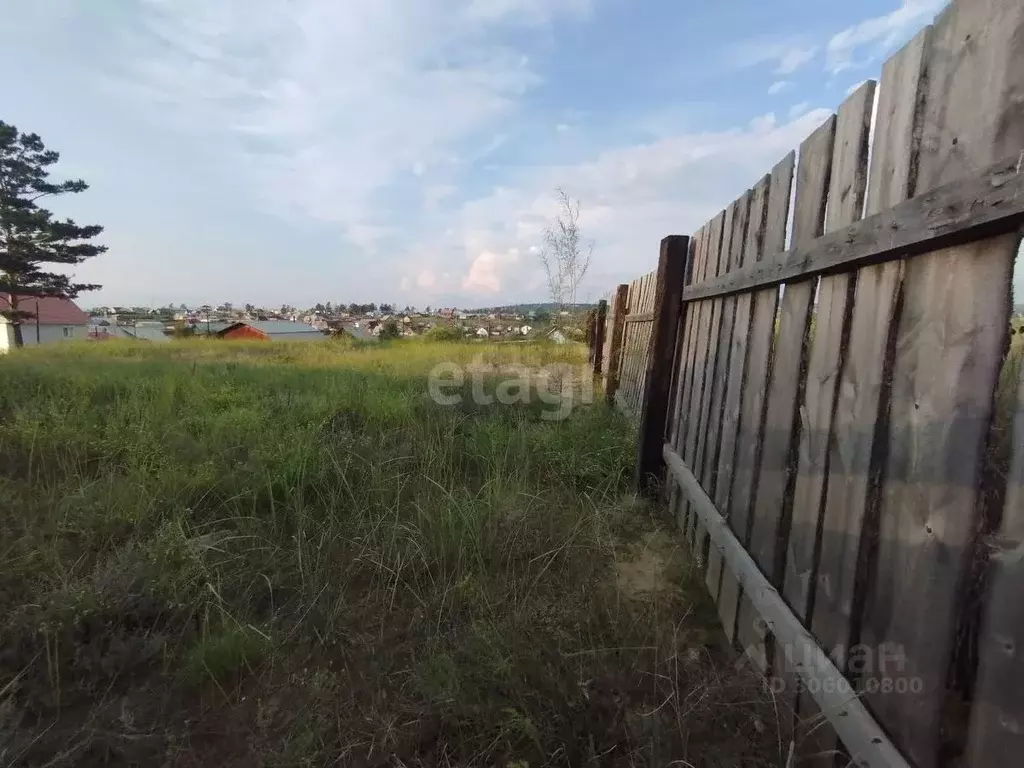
column 682, row 338
column 753, row 250
column 695, row 374
column 613, row 354
column 685, row 385
column 707, row 356
column 845, row 542
column 997, row 724
column 732, row 252
column 827, row 352
column 817, row 410
column 952, row 328
column 666, row 289
column 712, row 236
column 600, row 320
column 771, row 507
column 764, row 304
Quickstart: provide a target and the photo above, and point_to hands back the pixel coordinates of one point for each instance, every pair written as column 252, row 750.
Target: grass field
column 259, row 554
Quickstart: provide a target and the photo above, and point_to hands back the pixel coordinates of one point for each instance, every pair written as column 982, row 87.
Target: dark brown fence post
column 599, row 323
column 591, row 335
column 611, row 377
column 668, row 291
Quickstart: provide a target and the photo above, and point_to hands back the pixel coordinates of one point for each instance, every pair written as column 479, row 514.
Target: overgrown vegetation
column 242, row 553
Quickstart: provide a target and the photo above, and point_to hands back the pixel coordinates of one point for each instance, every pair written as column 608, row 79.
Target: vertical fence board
column 770, row 527
column 613, row 353
column 950, row 338
column 753, row 251
column 712, row 416
column 721, row 583
column 845, row 202
column 846, row 192
column 686, row 375
column 665, row 296
column 813, row 172
column 763, row 308
column 706, row 367
column 750, row 630
column 893, row 162
column 702, row 309
column 997, row 722
column 600, row 321
column 676, row 389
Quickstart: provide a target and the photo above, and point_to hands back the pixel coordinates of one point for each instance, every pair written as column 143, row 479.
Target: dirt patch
column 647, row 567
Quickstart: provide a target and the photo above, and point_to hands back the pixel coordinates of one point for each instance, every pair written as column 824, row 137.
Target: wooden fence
column 821, row 403
column 632, row 318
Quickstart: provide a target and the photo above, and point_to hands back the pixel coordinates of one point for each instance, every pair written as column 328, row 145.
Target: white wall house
column 54, row 320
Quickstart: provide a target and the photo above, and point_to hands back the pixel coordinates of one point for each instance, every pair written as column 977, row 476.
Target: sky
column 408, row 151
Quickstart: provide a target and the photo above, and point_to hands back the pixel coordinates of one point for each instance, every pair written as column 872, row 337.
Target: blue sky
column 297, row 151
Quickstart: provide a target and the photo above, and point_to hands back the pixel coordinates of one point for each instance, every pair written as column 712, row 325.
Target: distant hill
column 524, row 308
column 1019, row 309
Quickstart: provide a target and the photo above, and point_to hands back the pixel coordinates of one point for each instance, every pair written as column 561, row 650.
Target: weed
column 219, row 552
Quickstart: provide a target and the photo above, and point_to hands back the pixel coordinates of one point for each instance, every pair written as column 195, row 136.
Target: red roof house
column 54, row 319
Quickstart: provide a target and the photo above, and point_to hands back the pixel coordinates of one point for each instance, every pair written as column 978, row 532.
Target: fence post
column 611, row 377
column 668, row 291
column 599, row 323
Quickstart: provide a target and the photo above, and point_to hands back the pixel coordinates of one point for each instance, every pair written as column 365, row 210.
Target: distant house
column 54, row 319
column 363, row 334
column 211, row 327
column 102, row 329
column 271, row 330
column 146, row 332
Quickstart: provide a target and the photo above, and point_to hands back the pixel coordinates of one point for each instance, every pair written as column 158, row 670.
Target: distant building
column 55, row 319
column 363, row 334
column 102, row 329
column 146, row 332
column 271, row 330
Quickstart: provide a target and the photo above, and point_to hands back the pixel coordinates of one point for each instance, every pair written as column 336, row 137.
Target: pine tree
column 30, row 236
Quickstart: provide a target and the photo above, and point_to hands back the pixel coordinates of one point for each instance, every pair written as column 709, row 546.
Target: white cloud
column 486, row 271
column 436, row 194
column 324, row 106
column 787, row 55
column 631, row 197
column 794, row 59
column 778, row 87
column 879, row 34
column 798, row 109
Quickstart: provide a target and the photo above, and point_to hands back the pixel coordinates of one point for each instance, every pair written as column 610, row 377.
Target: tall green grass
column 227, row 552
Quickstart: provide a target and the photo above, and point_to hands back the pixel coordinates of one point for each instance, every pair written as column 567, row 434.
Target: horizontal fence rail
column 961, row 212
column 824, row 396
